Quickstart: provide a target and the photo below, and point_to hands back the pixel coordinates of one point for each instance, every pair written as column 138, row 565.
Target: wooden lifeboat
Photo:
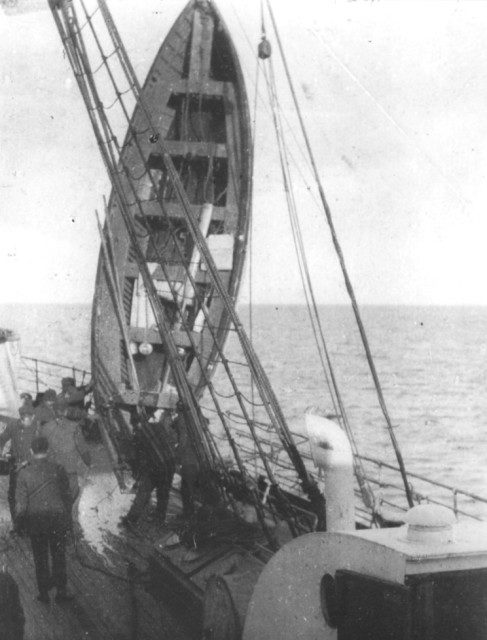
column 197, row 101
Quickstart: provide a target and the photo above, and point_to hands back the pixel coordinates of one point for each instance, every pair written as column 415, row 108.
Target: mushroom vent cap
column 430, row 523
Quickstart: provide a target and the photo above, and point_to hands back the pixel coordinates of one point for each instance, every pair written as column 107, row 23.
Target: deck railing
column 37, row 375
column 424, row 489
column 383, row 477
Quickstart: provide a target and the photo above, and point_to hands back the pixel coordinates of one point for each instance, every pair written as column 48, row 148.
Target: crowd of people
column 45, row 453
column 46, row 449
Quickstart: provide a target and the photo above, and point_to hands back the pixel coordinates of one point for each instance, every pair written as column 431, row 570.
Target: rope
column 297, row 237
column 111, row 150
column 251, row 256
column 266, row 106
column 272, row 406
column 77, row 54
column 121, row 50
column 341, row 258
column 313, row 312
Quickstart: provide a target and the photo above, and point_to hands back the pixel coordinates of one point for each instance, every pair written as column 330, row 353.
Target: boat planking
column 197, row 101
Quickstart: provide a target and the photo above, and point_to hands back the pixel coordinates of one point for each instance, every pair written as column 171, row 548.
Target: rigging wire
column 259, row 96
column 297, row 239
column 75, row 48
column 266, row 391
column 79, row 59
column 348, row 283
column 313, row 312
column 110, row 165
column 251, row 249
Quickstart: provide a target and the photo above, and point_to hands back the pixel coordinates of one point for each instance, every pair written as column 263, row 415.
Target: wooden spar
column 267, row 394
column 242, row 227
column 113, row 455
column 110, row 270
column 199, row 443
column 207, row 105
column 198, row 101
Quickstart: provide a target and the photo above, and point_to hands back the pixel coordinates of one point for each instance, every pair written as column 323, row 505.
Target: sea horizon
column 430, row 361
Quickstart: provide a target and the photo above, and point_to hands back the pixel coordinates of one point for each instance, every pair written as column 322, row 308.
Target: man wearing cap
column 26, row 398
column 68, row 448
column 72, row 398
column 151, row 469
column 20, row 433
column 46, row 410
column 43, row 507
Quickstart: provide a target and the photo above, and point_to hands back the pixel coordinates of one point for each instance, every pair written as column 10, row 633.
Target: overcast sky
column 395, row 97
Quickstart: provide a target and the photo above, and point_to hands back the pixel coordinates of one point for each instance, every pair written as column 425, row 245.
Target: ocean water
column 431, row 361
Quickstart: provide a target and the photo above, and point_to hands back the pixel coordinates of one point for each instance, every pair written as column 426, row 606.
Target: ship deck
column 110, row 602
column 128, row 583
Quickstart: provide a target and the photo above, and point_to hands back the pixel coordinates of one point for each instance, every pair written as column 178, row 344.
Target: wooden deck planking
column 103, row 604
column 41, row 620
column 102, row 608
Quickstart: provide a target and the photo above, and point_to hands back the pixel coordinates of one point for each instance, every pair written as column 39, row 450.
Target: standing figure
column 70, row 404
column 68, row 448
column 72, row 396
column 152, row 471
column 46, row 409
column 20, row 433
column 43, row 506
column 187, row 458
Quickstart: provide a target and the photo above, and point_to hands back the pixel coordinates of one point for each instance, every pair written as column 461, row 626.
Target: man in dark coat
column 68, row 448
column 172, row 438
column 46, row 410
column 71, row 395
column 43, row 506
column 12, row 618
column 20, row 433
column 152, row 471
column 187, row 458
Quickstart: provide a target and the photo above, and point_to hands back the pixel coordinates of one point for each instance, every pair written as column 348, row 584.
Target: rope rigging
column 312, row 307
column 341, row 258
column 77, row 55
column 122, row 182
column 266, row 392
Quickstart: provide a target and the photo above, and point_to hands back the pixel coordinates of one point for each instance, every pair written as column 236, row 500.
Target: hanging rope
column 251, row 251
column 123, row 182
column 313, row 312
column 77, row 54
column 341, row 258
column 202, row 368
column 266, row 392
